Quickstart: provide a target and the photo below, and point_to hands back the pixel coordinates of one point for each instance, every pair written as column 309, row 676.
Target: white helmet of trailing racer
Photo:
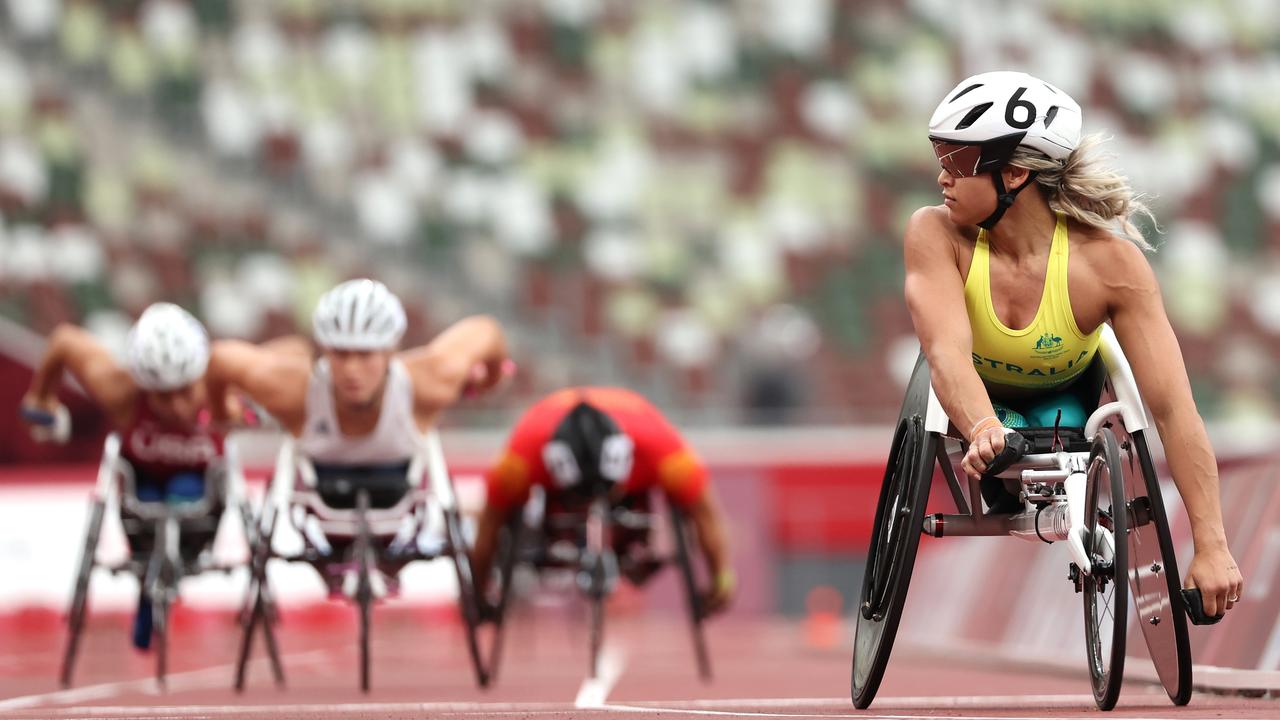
column 359, row 315
column 167, row 348
column 985, row 118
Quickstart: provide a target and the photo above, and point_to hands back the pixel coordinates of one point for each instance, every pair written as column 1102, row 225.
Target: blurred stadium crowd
column 702, row 199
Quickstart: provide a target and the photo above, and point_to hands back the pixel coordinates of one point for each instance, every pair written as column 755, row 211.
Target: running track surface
column 764, row 668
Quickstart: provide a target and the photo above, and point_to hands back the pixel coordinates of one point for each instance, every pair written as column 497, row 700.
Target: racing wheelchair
column 360, row 526
column 1093, row 487
column 167, row 541
column 598, row 541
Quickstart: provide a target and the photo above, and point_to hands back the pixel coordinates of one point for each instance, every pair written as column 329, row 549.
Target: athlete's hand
column 723, row 587
column 1214, row 571
column 47, row 419
column 486, row 376
column 985, row 442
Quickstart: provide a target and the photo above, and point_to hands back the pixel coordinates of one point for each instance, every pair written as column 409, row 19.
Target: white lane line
column 338, row 709
column 862, row 715
column 899, row 702
column 595, row 691
column 190, row 680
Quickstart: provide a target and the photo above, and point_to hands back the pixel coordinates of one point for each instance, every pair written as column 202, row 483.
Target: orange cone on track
column 822, row 624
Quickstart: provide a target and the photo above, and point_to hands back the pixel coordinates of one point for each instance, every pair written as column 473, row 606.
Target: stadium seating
column 701, row 198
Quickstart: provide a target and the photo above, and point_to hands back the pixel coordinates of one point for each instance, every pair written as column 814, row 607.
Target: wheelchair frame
column 594, row 561
column 383, row 542
column 1062, row 481
column 161, row 572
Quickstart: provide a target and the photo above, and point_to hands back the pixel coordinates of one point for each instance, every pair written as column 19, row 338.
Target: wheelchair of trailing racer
column 360, row 526
column 1093, row 487
column 180, row 535
column 583, row 541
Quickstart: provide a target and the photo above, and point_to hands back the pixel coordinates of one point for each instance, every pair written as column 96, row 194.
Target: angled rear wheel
column 1153, row 570
column 80, row 593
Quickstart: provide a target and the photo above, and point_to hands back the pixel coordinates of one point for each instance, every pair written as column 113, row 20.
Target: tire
column 78, row 610
column 509, row 548
column 160, row 632
column 1106, row 601
column 468, row 597
column 693, row 599
column 362, row 549
column 596, row 602
column 895, row 538
column 1153, row 570
column 592, row 575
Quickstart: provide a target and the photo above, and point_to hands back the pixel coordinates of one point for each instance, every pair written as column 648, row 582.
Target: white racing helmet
column 1001, row 105
column 167, row 348
column 359, row 315
column 985, row 118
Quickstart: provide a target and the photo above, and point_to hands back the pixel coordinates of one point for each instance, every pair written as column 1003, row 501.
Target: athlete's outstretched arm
column 94, row 367
column 443, row 368
column 276, row 380
column 492, row 518
column 709, row 524
column 935, row 297
column 1138, row 317
column 296, row 344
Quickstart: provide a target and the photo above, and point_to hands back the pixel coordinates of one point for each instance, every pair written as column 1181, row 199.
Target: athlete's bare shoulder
column 1116, row 262
column 931, row 232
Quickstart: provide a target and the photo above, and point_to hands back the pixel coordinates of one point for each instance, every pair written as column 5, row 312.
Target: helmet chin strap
column 1004, row 198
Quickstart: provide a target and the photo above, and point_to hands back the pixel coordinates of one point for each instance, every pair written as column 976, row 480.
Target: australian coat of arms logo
column 1049, row 346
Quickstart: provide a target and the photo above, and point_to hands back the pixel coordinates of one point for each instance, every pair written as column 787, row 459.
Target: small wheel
column 693, row 599
column 362, row 549
column 1153, row 570
column 468, row 597
column 596, row 601
column 160, row 631
column 80, row 593
column 1106, row 597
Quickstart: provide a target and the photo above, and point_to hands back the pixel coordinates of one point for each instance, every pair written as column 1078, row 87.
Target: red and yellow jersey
column 662, row 458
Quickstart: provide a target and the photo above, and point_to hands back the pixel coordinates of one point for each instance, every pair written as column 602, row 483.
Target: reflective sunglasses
column 960, row 161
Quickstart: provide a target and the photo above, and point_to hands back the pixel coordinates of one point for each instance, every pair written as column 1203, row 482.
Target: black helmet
column 588, row 453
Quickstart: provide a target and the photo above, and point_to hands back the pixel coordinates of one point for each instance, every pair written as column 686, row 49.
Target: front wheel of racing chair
column 362, row 551
column 693, row 598
column 1106, row 601
column 598, row 572
column 895, row 536
column 161, row 583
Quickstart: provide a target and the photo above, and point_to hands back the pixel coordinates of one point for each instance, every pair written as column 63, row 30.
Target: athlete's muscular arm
column 708, row 522
column 443, row 368
column 492, row 518
column 1139, row 320
column 935, row 297
column 275, row 380
column 296, row 344
column 94, row 367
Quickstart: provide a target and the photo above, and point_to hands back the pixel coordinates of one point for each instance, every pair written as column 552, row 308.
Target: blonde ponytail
column 1084, row 189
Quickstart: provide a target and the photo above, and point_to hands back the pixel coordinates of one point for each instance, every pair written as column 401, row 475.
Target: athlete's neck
column 356, row 419
column 1026, row 230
